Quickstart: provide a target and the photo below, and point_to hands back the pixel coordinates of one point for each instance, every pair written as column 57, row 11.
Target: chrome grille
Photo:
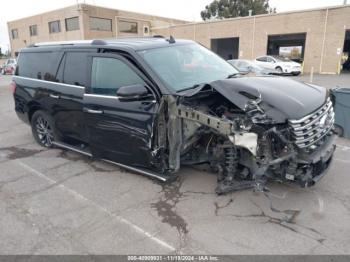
column 312, row 128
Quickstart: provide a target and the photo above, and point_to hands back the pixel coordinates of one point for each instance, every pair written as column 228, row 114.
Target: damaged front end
column 245, row 138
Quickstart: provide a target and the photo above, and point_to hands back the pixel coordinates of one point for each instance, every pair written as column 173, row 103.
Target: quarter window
column 33, row 30
column 54, row 27
column 14, row 33
column 100, row 24
column 38, row 65
column 269, row 59
column 109, row 74
column 127, row 27
column 72, row 23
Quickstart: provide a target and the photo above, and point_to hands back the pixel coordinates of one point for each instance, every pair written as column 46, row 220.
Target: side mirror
column 133, row 93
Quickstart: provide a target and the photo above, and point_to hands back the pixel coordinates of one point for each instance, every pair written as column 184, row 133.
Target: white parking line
column 79, row 196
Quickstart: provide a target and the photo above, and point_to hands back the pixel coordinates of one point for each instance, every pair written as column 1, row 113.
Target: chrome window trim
column 113, row 97
column 45, row 81
column 102, row 96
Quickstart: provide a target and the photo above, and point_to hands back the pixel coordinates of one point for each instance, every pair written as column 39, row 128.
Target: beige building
column 321, row 34
column 80, row 22
column 317, row 37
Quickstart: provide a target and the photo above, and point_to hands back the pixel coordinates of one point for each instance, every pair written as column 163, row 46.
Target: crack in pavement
column 218, row 207
column 286, row 222
column 6, row 182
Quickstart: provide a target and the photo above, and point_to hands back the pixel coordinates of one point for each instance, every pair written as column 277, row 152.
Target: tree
column 219, row 9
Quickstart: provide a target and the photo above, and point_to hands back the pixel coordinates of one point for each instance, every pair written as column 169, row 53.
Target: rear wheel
column 43, row 128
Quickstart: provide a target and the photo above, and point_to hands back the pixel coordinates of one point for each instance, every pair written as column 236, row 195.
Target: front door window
column 109, row 74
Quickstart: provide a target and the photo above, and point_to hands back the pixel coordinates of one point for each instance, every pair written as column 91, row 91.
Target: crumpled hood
column 281, row 98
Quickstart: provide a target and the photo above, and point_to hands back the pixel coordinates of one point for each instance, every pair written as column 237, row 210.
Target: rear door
column 120, row 131
column 262, row 61
column 68, row 110
column 271, row 63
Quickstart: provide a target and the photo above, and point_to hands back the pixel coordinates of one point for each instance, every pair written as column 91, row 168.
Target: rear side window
column 262, row 59
column 269, row 59
column 75, row 70
column 109, row 74
column 38, row 65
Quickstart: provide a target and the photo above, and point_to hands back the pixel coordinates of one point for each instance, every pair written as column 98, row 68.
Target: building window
column 54, row 27
column 33, row 30
column 72, row 23
column 14, row 33
column 100, row 24
column 127, row 27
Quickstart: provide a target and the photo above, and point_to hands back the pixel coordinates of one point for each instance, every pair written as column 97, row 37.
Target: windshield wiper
column 233, row 75
column 188, row 88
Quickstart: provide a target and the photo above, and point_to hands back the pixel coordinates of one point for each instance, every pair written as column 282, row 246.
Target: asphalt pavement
column 59, row 202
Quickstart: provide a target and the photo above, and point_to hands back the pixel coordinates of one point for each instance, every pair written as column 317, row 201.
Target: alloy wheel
column 44, row 131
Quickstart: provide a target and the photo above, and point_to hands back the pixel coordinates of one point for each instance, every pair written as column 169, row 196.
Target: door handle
column 92, row 111
column 54, row 96
column 149, row 102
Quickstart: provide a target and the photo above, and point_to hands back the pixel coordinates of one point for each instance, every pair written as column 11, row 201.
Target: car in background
column 246, row 66
column 282, row 64
column 9, row 67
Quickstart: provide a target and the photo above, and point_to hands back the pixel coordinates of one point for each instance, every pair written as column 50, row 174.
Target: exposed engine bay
column 246, row 139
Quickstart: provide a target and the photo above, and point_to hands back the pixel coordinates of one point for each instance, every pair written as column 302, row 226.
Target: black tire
column 279, row 70
column 339, row 130
column 43, row 129
column 296, row 74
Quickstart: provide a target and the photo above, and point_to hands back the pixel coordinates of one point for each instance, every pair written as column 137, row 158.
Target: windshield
column 281, row 58
column 186, row 66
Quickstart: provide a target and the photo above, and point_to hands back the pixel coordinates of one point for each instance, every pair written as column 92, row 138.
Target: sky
column 180, row 9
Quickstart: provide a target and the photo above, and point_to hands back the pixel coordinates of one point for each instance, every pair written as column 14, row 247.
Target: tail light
column 13, row 87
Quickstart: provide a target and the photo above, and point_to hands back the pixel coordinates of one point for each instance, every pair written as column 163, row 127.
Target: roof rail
column 76, row 42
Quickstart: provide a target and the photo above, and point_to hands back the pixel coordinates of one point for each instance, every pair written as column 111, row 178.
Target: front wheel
column 339, row 130
column 43, row 128
column 279, row 70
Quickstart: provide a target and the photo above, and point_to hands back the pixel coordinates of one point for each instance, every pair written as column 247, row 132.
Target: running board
column 134, row 169
column 72, row 148
column 139, row 170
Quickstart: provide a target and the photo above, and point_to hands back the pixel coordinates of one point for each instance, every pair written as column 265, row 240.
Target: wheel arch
column 32, row 108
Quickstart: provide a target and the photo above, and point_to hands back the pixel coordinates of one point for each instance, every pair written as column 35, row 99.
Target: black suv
column 152, row 105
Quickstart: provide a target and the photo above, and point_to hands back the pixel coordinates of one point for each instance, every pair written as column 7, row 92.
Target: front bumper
column 292, row 70
column 316, row 163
